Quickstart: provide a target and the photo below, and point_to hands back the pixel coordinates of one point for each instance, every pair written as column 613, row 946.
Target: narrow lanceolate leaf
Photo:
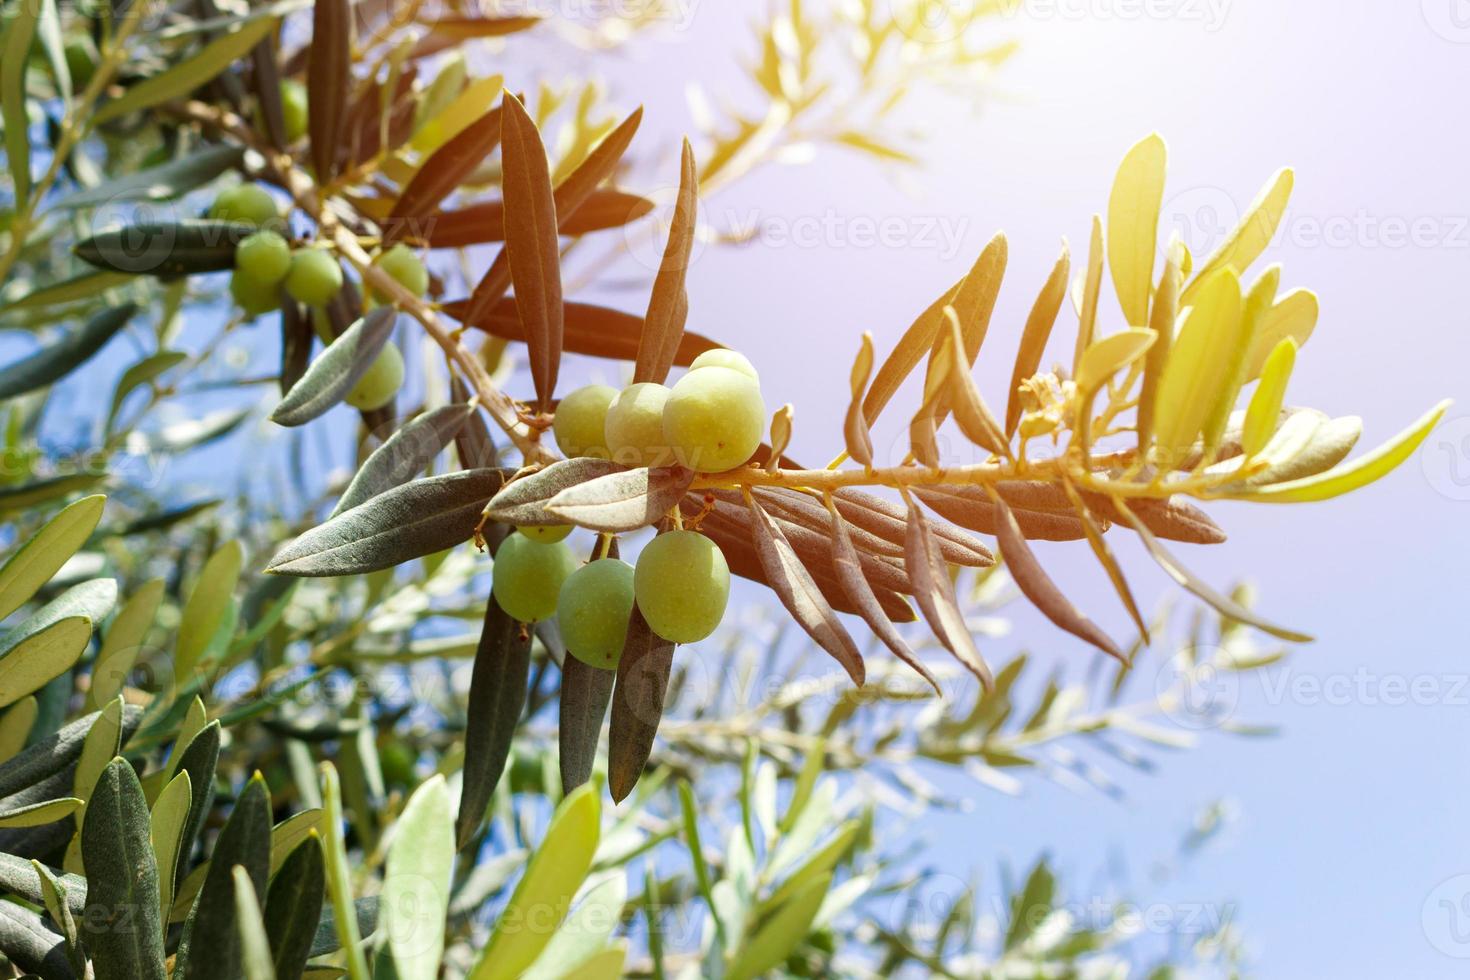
column 544, row 893
column 1198, row 366
column 296, row 341
column 1133, row 226
column 293, row 906
column 971, row 414
column 668, row 306
column 199, row 758
column 888, row 520
column 1221, row 603
column 1111, row 354
column 33, row 946
column 141, row 374
column 497, row 699
column 161, row 183
column 624, row 501
column 37, row 559
column 416, row 881
column 207, row 608
column 637, row 705
column 1250, row 238
column 1348, row 477
column 524, row 501
column 442, row 173
column 49, row 488
column 531, row 245
column 917, row 342
column 52, row 754
column 1037, row 332
column 417, row 519
column 166, row 828
column 969, row 507
column 255, row 959
column 339, row 876
column 1256, row 305
column 574, row 951
column 1293, row 315
column 328, row 83
column 1040, row 589
column 15, row 727
column 781, row 934
column 265, row 78
column 800, row 595
column 973, row 306
column 404, row 454
column 20, row 32
column 165, row 248
column 41, row 657
column 103, row 744
column 180, row 80
column 585, row 692
column 332, row 375
column 849, row 569
column 57, row 899
column 590, row 329
column 855, row 426
column 121, row 927
column 39, row 814
column 1162, row 320
column 55, row 361
column 211, row 947
column 934, row 591
column 81, row 287
column 1264, row 413
column 1091, row 292
column 923, row 427
column 483, row 222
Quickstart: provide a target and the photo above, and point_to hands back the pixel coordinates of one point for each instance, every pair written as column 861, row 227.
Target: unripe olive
column 264, row 257
column 527, row 577
column 314, row 277
column 246, row 203
column 405, row 268
column 377, row 387
column 580, row 421
column 635, row 426
column 721, row 357
column 293, row 105
column 714, row 419
column 252, row 295
column 682, row 584
column 546, row 533
column 592, row 611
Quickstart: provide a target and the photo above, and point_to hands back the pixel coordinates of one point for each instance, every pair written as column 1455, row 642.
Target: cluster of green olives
column 681, row 585
column 710, row 421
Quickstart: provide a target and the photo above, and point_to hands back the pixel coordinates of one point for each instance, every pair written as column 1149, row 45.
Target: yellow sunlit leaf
column 477, row 99
column 1294, row 315
column 1250, row 238
column 1257, row 302
column 1111, row 354
column 1091, row 287
column 1265, row 407
column 1133, row 223
column 1198, row 365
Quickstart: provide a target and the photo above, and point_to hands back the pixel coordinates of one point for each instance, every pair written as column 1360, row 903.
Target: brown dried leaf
column 589, row 329
column 637, row 705
column 477, row 224
column 328, row 83
column 973, row 307
column 443, row 172
column 1040, row 589
column 524, row 501
column 889, row 521
column 1172, row 518
column 1107, row 559
column 668, row 306
column 935, row 594
column 1037, row 332
column 971, row 413
column 621, row 502
column 531, row 244
column 969, row 507
column 855, row 427
column 923, row 427
column 916, row 341
column 850, row 573
column 794, row 585
column 446, row 32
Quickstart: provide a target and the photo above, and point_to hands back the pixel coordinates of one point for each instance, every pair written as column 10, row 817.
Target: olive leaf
column 668, row 305
column 55, row 361
column 779, row 936
column 124, row 934
column 296, row 341
column 81, row 287
column 1133, row 226
column 404, row 454
column 624, row 501
column 934, row 592
column 973, row 306
column 1198, row 369
column 888, row 520
column 199, row 758
column 140, row 374
column 444, row 171
column 255, row 952
column 585, row 693
column 328, row 83
column 1036, row 333
column 265, row 78
column 38, row 814
column 446, row 32
column 165, row 248
column 1250, row 237
column 161, row 183
column 917, row 341
column 531, row 245
column 638, row 699
column 28, row 941
column 189, row 74
column 416, row 879
column 1264, row 412
column 524, row 501
column 207, row 608
column 41, row 656
column 794, row 586
column 39, row 558
column 331, row 376
column 23, row 495
column 971, row 414
column 55, row 753
column 407, row 522
column 855, row 424
column 122, row 643
column 211, row 946
column 166, row 827
column 484, row 222
column 1162, row 320
column 1038, row 587
column 589, row 329
column 1293, row 315
column 849, row 569
column 19, row 33
column 1090, row 287
column 293, row 906
column 969, row 507
column 497, row 699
